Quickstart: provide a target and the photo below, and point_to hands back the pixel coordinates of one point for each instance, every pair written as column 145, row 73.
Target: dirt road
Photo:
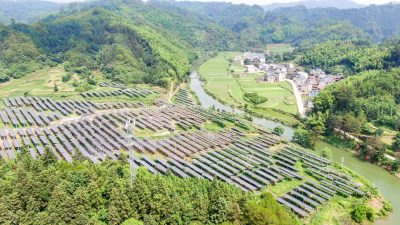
column 299, row 101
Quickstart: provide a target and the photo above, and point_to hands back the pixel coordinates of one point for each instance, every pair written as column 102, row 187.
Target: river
column 207, row 101
column 387, row 184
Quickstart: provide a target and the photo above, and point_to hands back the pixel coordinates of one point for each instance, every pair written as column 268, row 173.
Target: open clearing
column 41, row 83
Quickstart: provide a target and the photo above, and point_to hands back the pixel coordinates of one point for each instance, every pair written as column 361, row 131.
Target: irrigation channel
column 388, row 185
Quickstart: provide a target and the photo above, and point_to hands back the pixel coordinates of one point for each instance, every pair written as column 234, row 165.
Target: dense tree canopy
column 351, row 57
column 371, row 96
column 45, row 191
column 125, row 50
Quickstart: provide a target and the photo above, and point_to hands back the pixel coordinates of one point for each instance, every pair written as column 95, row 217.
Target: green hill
column 27, row 11
column 300, row 25
column 96, row 39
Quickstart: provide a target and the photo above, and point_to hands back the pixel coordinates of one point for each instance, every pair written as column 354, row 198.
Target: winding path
column 172, row 92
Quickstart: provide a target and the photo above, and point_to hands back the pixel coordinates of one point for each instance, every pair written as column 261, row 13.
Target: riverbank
column 350, row 145
column 229, row 89
column 328, row 212
column 387, row 184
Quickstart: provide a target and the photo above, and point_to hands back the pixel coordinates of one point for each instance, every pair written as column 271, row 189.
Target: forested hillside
column 27, row 11
column 350, row 57
column 45, row 191
column 96, row 39
column 340, row 4
column 300, row 25
column 371, row 94
column 196, row 29
column 379, row 22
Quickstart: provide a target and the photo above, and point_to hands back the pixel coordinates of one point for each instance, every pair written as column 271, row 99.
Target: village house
column 254, row 57
column 251, row 69
column 313, row 81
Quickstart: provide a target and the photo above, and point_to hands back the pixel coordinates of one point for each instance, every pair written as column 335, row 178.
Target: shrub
column 255, row 98
column 363, row 212
column 66, row 77
column 279, row 130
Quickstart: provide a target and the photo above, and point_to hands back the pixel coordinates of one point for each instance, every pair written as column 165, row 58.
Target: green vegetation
column 304, row 138
column 26, row 11
column 254, row 98
column 280, row 48
column 129, row 51
column 371, row 96
column 350, row 57
column 230, row 89
column 279, row 130
column 362, row 213
column 45, row 191
column 300, row 25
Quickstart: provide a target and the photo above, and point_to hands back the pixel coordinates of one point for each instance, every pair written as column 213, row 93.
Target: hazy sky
column 266, row 2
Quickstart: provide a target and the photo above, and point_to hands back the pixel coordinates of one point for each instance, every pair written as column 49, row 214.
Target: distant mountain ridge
column 26, row 11
column 340, row 4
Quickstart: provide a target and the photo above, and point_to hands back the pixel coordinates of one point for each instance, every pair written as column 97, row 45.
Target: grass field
column 231, row 90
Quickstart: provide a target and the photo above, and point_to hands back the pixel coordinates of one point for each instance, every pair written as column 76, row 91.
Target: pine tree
column 57, row 206
column 121, row 203
column 48, row 157
column 80, row 203
column 94, row 192
column 219, row 211
column 113, row 216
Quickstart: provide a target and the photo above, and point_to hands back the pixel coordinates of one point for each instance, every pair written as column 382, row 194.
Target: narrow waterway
column 207, row 101
column 388, row 185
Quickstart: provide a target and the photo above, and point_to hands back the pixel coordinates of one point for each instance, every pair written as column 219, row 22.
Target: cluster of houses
column 306, row 83
column 313, row 81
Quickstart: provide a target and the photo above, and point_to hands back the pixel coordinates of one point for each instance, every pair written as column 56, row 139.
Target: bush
column 132, row 221
column 255, row 98
column 303, row 138
column 4, row 78
column 66, row 77
column 279, row 130
column 368, row 129
column 379, row 132
column 91, row 81
column 363, row 212
column 75, row 83
column 84, row 87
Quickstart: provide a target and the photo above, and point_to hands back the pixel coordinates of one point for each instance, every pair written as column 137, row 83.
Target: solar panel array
column 132, row 93
column 112, row 84
column 229, row 154
column 182, row 97
column 305, row 198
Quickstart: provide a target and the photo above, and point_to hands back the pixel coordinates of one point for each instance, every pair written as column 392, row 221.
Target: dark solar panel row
column 297, row 202
column 296, row 209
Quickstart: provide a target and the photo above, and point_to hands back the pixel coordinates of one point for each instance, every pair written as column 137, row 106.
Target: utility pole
column 129, row 128
column 342, row 161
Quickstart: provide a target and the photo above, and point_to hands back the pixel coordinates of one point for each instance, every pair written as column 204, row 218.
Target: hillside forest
column 46, row 191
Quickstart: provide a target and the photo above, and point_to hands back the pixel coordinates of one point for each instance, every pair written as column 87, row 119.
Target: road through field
column 297, row 95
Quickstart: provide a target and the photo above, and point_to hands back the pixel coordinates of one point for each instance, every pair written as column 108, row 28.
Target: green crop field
column 231, row 89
